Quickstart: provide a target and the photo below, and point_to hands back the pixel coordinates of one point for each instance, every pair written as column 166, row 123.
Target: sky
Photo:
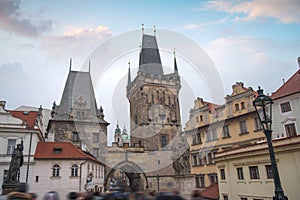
column 256, row 42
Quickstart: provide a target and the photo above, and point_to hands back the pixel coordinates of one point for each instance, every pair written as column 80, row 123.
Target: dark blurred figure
column 20, row 193
column 72, row 195
column 196, row 195
column 52, row 195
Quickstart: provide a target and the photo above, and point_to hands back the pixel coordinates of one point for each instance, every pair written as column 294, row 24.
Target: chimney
column 2, row 105
column 299, row 62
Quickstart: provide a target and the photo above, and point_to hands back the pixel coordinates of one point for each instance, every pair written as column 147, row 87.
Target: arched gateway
column 127, row 170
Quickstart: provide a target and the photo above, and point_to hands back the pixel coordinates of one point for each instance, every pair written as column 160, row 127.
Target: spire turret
column 175, row 63
column 129, row 76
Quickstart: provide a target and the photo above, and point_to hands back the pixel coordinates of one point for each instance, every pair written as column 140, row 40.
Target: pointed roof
column 290, row 87
column 78, row 88
column 118, row 130
column 150, row 61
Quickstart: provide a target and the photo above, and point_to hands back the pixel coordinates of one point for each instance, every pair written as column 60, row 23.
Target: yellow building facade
column 215, row 128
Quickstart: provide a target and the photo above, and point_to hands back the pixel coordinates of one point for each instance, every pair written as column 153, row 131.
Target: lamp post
column 263, row 107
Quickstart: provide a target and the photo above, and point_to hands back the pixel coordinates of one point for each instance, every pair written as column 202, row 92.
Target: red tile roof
column 290, row 87
column 45, row 150
column 211, row 192
column 29, row 117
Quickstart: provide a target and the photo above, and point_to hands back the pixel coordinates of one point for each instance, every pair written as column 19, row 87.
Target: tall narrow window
column 95, row 137
column 75, row 136
column 74, row 170
column 290, row 130
column 96, row 152
column 257, row 124
column 213, row 178
column 243, row 105
column 200, row 181
column 195, row 160
column 222, row 173
column 163, row 140
column 10, row 146
column 226, row 132
column 240, row 173
column 243, row 127
column 285, row 107
column 254, row 173
column 55, row 170
column 237, row 107
column 269, row 171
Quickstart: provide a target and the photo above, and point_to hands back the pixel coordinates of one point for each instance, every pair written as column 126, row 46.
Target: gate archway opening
column 126, row 176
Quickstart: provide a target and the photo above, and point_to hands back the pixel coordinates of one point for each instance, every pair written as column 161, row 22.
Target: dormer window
column 57, row 150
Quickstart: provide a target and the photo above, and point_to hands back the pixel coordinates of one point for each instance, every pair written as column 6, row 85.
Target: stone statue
column 15, row 164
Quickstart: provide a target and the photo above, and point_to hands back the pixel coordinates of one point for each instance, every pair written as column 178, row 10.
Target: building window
column 195, row 160
column 269, row 171
column 244, row 198
column 240, row 173
column 55, row 170
column 212, row 135
column 163, row 140
column 210, row 157
column 197, row 138
column 11, row 146
column 36, row 179
column 213, row 178
column 96, row 152
column 290, row 130
column 285, row 107
column 237, row 107
column 243, row 105
column 257, row 124
column 200, row 181
column 222, row 172
column 197, row 119
column 201, row 118
column 95, row 137
column 254, row 173
column 57, row 150
column 243, row 127
column 75, row 136
column 74, row 170
column 200, row 160
column 225, row 197
column 226, row 132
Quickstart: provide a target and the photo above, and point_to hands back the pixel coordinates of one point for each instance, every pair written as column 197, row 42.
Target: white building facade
column 17, row 126
column 62, row 167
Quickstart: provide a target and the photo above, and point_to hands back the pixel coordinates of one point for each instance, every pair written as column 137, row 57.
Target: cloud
column 285, row 11
column 252, row 60
column 77, row 42
column 12, row 19
column 206, row 25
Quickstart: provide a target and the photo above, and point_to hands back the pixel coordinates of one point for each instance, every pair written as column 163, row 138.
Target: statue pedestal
column 9, row 187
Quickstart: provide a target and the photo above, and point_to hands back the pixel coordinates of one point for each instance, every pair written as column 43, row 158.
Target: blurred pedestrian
column 52, row 195
column 20, row 193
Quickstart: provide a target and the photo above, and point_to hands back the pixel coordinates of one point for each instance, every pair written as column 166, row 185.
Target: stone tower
column 78, row 119
column 153, row 97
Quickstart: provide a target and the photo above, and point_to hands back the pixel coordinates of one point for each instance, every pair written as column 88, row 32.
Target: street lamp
column 263, row 107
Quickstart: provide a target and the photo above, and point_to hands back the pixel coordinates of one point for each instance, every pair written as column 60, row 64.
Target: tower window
column 163, row 140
